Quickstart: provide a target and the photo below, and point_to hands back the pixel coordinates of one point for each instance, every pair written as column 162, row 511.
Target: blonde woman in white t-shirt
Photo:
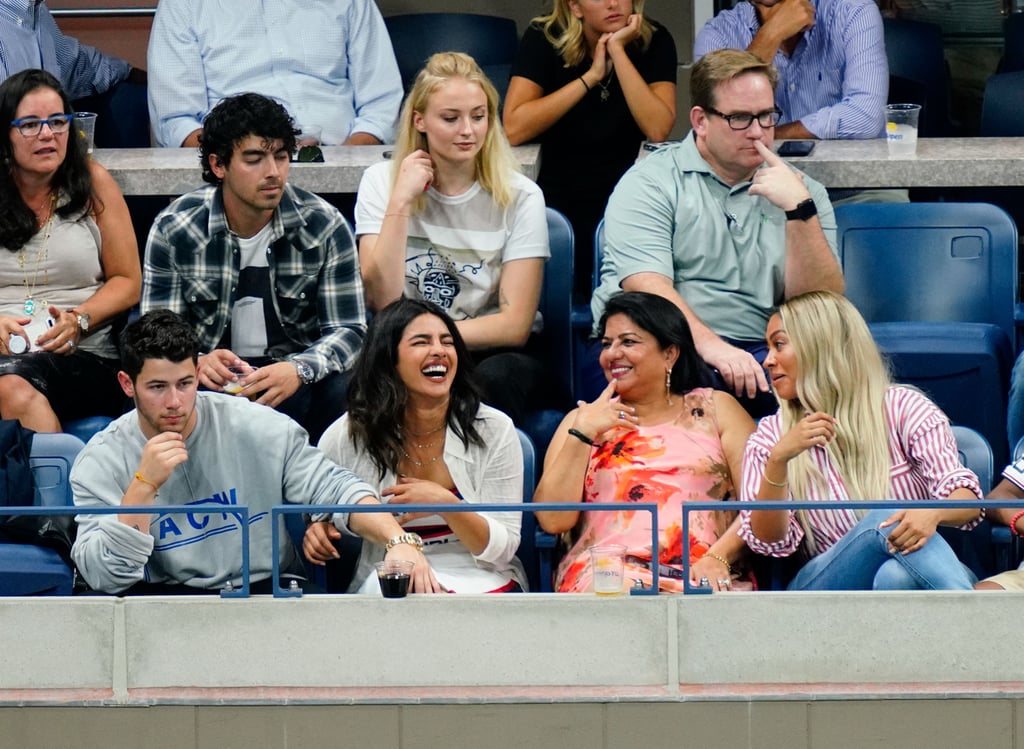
column 452, row 221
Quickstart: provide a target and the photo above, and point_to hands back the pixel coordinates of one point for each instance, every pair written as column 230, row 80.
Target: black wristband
column 581, row 437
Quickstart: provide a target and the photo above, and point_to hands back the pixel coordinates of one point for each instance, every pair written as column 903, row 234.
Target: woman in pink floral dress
column 654, row 435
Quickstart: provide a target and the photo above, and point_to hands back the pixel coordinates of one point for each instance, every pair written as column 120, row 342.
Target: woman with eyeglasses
column 451, row 220
column 69, row 264
column 843, row 431
column 592, row 80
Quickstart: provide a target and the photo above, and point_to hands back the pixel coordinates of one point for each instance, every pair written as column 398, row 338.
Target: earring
column 668, row 386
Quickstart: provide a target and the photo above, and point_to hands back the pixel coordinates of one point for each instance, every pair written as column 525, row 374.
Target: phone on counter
column 796, row 148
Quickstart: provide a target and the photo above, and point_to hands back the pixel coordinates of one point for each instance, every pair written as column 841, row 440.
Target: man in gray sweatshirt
column 181, row 447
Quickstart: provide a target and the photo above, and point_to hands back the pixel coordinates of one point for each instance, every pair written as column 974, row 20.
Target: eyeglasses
column 30, row 127
column 743, row 120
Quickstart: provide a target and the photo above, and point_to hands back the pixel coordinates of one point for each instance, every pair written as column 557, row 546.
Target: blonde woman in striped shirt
column 845, row 431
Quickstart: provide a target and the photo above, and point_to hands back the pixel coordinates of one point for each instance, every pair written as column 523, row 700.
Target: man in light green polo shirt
column 721, row 226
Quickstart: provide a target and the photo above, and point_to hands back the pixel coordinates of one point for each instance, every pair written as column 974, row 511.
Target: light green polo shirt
column 723, row 248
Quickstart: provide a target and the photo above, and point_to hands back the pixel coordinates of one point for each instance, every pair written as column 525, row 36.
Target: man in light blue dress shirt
column 330, row 63
column 29, row 38
column 830, row 55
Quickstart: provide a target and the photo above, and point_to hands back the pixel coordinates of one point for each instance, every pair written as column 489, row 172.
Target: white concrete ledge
column 511, row 648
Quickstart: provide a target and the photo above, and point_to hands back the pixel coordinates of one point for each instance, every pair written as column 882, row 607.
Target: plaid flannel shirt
column 192, row 261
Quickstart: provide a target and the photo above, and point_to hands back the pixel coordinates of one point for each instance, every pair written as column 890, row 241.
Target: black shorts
column 77, row 385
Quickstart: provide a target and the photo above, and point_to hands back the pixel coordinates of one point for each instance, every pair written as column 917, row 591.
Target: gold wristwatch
column 413, row 539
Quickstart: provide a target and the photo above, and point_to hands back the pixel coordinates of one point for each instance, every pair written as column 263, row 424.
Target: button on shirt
column 29, row 38
column 330, row 63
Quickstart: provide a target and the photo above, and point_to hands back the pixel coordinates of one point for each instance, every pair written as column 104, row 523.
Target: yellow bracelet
column 144, row 480
column 403, row 215
column 783, row 485
column 721, row 559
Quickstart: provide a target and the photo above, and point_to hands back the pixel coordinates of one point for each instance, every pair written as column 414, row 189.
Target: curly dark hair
column 72, row 180
column 159, row 334
column 377, row 395
column 236, row 118
column 663, row 320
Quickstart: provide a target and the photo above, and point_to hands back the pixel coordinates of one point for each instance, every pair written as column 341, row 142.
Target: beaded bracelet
column 721, row 559
column 1013, row 524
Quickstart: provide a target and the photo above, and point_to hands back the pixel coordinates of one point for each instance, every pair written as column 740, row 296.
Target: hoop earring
column 668, row 386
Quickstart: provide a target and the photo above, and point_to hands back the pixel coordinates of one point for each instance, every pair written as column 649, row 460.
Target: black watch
column 803, row 211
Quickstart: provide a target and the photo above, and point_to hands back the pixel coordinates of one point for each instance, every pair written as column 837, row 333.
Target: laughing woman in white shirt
column 417, row 432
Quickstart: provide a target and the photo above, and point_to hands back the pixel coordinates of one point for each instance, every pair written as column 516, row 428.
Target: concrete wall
column 750, row 670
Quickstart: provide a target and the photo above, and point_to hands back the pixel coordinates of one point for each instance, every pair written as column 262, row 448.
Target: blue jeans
column 862, row 561
column 1015, row 407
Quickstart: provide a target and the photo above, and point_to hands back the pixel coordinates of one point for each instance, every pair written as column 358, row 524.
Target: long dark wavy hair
column 377, row 395
column 663, row 320
column 72, row 179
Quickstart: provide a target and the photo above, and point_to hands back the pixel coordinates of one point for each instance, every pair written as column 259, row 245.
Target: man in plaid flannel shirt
column 266, row 273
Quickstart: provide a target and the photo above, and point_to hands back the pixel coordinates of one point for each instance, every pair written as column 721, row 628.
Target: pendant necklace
column 605, row 93
column 30, row 305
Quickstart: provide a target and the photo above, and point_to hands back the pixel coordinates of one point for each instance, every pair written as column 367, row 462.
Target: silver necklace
column 421, row 463
column 605, row 93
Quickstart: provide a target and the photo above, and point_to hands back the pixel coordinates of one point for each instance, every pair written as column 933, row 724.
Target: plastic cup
column 234, row 388
column 309, row 135
column 394, row 575
column 607, row 562
column 901, row 129
column 85, row 126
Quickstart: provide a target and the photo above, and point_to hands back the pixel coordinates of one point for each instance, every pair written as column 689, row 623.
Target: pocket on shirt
column 296, row 301
column 202, row 297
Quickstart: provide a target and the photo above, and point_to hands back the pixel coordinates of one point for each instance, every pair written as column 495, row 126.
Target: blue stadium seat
column 492, row 41
column 85, row 428
column 27, row 570
column 123, row 116
column 975, row 547
column 1002, row 109
column 918, row 72
column 942, row 277
column 1013, row 44
column 1008, row 549
column 554, row 344
column 527, row 546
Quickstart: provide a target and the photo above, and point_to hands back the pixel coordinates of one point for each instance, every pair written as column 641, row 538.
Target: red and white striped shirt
column 925, row 465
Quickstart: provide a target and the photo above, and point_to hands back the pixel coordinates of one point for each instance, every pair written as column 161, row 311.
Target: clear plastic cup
column 608, row 562
column 901, row 129
column 85, row 126
column 393, row 576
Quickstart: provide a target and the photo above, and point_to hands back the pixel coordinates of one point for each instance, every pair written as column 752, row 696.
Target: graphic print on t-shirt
column 435, row 277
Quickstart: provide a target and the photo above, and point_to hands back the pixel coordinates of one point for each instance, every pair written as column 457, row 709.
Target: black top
column 584, row 154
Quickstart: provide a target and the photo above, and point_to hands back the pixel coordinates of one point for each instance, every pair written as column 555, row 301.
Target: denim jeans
column 861, row 560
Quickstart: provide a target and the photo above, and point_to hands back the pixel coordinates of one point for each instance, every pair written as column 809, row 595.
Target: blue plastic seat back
column 527, row 546
column 1013, row 45
column 1002, row 109
column 33, row 570
column 939, row 262
column 918, row 72
column 490, row 40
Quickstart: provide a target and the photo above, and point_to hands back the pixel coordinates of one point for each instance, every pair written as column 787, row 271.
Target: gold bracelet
column 721, row 559
column 144, row 480
column 783, row 485
column 403, row 215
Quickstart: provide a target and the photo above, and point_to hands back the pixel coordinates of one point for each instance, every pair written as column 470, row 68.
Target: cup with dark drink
column 394, row 576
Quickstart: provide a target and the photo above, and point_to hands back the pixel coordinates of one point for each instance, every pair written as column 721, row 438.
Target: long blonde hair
column 840, row 372
column 496, row 165
column 565, row 31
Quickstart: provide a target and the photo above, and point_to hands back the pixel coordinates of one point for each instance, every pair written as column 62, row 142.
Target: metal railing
column 831, row 504
column 280, row 592
column 239, row 511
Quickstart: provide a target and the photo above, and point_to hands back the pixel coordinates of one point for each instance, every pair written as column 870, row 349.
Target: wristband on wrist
column 1013, row 524
column 781, row 485
column 144, row 480
column 584, row 84
column 581, row 437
